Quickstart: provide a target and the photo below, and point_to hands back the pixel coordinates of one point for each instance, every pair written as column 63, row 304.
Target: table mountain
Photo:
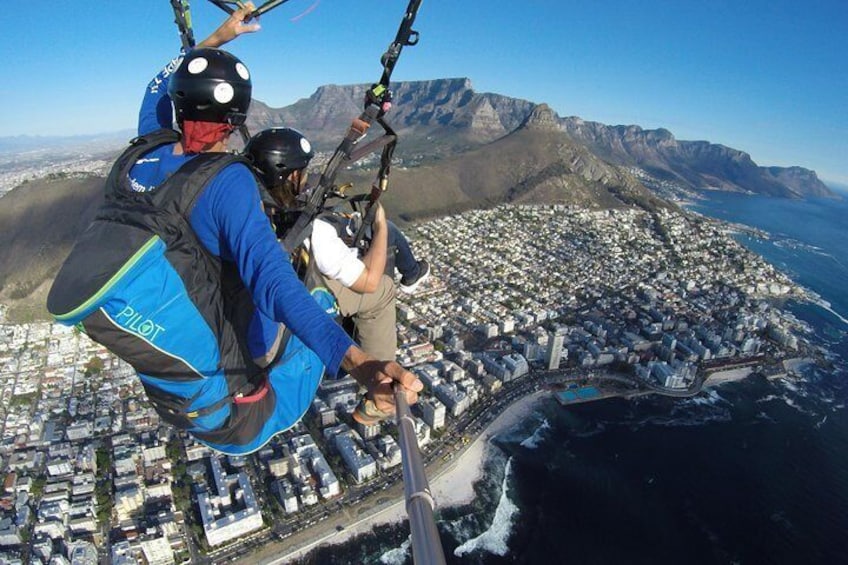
column 443, row 117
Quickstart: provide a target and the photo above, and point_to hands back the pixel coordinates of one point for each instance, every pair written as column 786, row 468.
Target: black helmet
column 211, row 85
column 276, row 152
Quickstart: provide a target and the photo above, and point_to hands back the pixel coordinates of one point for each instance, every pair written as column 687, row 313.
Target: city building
column 554, row 352
column 229, row 509
column 433, row 412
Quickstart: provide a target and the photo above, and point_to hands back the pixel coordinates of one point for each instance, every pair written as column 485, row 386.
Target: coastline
column 452, row 485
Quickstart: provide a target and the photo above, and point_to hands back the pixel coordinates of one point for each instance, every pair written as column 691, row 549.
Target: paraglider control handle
column 381, row 97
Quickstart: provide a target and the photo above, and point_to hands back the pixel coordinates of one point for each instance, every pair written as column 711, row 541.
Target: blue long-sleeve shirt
column 229, row 221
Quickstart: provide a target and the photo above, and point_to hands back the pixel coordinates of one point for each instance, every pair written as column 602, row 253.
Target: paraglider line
column 309, row 9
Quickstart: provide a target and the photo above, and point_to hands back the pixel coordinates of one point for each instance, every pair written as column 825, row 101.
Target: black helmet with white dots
column 211, row 85
column 276, row 152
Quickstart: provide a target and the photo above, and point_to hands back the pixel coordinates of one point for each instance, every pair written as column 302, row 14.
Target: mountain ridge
column 448, row 115
column 458, row 150
column 700, row 164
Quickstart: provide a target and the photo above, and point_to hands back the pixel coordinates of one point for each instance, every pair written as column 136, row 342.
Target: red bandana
column 200, row 136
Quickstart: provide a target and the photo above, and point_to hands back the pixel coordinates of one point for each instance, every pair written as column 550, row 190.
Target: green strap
column 112, row 280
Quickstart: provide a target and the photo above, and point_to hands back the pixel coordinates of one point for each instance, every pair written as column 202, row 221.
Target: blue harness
column 139, row 282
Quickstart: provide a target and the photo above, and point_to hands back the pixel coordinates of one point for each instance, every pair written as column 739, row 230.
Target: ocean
column 750, row 472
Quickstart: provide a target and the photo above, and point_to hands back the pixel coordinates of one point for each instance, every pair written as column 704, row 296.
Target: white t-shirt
column 332, row 256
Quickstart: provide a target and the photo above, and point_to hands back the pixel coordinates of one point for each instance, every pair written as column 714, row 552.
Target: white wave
column 826, row 306
column 795, row 244
column 670, row 422
column 710, row 399
column 818, row 251
column 397, row 556
column 790, row 398
column 823, row 253
column 769, row 398
column 700, row 400
column 800, row 388
column 792, row 404
column 766, row 417
column 532, row 441
column 494, row 540
column 462, row 527
column 708, row 407
column 821, row 422
column 789, row 385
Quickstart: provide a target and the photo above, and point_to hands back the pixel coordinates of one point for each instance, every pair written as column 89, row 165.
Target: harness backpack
column 140, row 282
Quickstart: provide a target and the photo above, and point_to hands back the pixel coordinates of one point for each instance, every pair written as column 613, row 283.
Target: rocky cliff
column 698, row 164
column 440, row 118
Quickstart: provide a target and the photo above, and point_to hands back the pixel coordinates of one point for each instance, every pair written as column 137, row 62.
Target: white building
column 389, row 450
column 360, row 464
column 152, row 454
column 157, row 551
column 82, row 553
column 128, row 501
column 230, row 511
column 60, row 468
column 553, row 354
column 455, row 400
column 285, row 492
column 279, row 466
column 79, row 430
column 433, row 413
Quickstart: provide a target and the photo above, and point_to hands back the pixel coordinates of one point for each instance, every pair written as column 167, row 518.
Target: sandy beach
column 451, row 485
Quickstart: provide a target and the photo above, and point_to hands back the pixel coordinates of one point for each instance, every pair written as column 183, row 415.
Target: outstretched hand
column 380, row 377
column 232, row 27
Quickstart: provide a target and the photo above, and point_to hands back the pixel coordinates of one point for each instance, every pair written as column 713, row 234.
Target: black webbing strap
column 347, row 150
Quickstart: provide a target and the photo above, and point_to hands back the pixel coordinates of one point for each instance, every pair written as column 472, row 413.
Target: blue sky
column 769, row 78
